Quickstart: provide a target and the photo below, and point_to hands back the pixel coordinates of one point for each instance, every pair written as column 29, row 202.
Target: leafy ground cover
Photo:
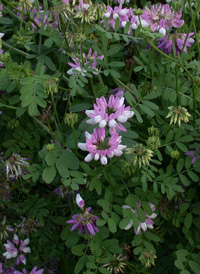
column 100, row 139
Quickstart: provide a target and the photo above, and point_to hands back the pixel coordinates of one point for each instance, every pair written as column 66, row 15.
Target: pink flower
column 176, row 39
column 33, row 271
column 17, row 249
column 99, row 148
column 80, row 202
column 84, row 221
column 145, row 225
column 112, row 112
column 161, row 18
column 80, row 64
column 117, row 12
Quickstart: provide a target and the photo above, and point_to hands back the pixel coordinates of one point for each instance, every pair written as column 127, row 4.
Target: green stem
column 194, row 26
column 76, row 140
column 149, row 67
column 177, row 97
column 7, row 106
column 56, row 114
column 15, row 49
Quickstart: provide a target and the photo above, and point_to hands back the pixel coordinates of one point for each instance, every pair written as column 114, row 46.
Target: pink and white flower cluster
column 111, row 113
column 81, row 63
column 161, row 18
column 125, row 15
column 17, row 249
column 145, row 225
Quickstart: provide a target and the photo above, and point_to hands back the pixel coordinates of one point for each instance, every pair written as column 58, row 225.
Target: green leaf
column 186, row 139
column 112, row 225
column 179, row 264
column 32, row 108
column 6, row 21
column 71, row 160
column 138, row 116
column 49, row 174
column 183, row 207
column 78, row 249
column 180, row 165
column 146, row 110
column 188, row 220
column 116, row 64
column 150, row 105
column 103, row 270
column 193, row 176
column 194, row 266
column 126, row 28
column 141, row 214
column 80, row 264
column 62, row 167
column 124, row 222
column 117, row 22
column 73, row 238
column 80, row 107
column 151, row 236
column 184, row 179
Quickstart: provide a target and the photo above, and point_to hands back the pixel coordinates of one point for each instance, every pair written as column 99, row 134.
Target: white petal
column 82, row 146
column 91, row 121
column 97, row 119
column 1, row 34
column 102, row 123
column 106, row 14
column 124, row 24
column 115, row 16
column 122, row 118
column 154, row 215
column 89, row 157
column 104, row 160
column 96, row 157
column 144, row 24
column 112, row 123
column 129, row 225
column 118, row 152
column 88, row 112
column 163, row 31
column 27, row 250
column 88, row 135
column 123, row 12
column 27, row 241
column 144, row 226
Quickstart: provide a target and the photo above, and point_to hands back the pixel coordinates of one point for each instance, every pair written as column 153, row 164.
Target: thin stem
column 177, row 93
column 76, row 140
column 7, row 106
column 56, row 114
column 15, row 49
column 194, row 26
column 149, row 66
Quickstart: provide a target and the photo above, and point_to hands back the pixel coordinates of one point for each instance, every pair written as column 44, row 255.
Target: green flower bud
column 51, row 86
column 138, row 12
column 153, row 142
column 141, row 155
column 13, row 124
column 178, row 114
column 175, row 154
column 147, row 258
column 71, row 119
column 50, row 147
column 153, row 131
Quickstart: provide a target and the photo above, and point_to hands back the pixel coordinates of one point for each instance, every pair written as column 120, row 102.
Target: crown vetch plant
column 99, row 143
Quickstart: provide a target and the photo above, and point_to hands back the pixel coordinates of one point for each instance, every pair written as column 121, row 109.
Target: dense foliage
column 100, row 139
